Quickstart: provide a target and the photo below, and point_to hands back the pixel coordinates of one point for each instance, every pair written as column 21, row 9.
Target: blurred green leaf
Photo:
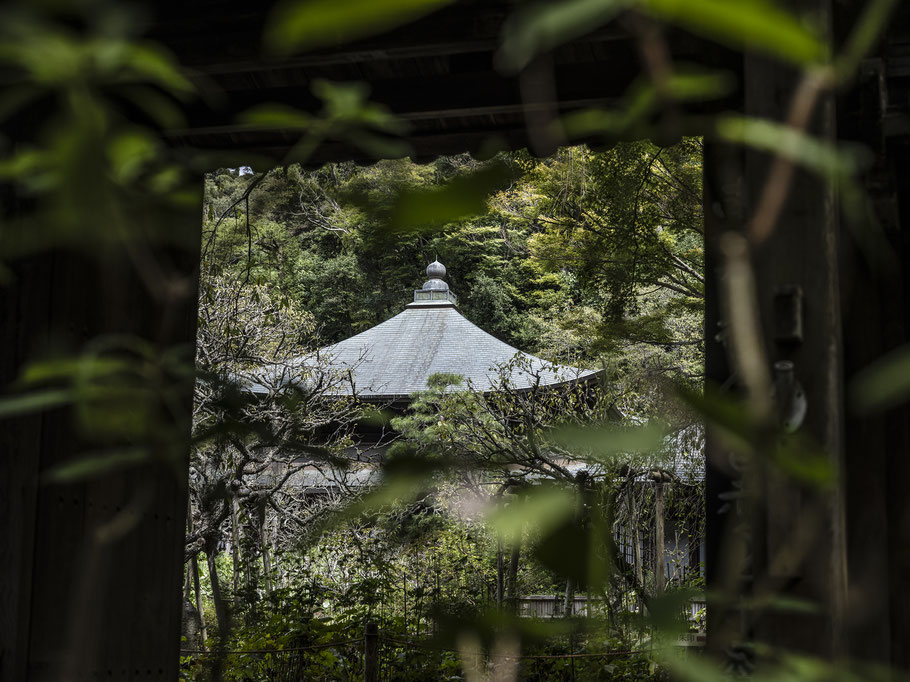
column 782, row 603
column 753, row 24
column 825, row 158
column 16, row 97
column 866, row 32
column 129, row 152
column 394, row 491
column 305, row 24
column 565, row 549
column 724, row 411
column 541, row 508
column 642, row 100
column 667, row 611
column 277, row 116
column 33, row 168
column 539, row 28
column 36, row 401
column 96, row 465
column 349, row 103
column 155, row 65
column 694, row 668
column 83, row 367
column 803, row 461
column 347, row 115
column 883, row 384
column 155, row 104
column 608, row 442
column 115, row 411
column 464, row 196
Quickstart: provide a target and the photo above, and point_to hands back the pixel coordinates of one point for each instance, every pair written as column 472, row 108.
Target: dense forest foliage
column 584, row 258
column 592, row 259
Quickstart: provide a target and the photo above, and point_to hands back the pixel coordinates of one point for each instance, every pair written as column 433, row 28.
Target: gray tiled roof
column 395, row 358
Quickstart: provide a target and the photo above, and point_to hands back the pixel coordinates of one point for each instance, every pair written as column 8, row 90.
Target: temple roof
column 394, row 359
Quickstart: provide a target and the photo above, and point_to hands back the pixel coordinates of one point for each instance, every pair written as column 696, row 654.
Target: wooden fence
column 378, row 655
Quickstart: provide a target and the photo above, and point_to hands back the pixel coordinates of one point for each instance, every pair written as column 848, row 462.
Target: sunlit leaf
column 305, row 24
column 756, row 24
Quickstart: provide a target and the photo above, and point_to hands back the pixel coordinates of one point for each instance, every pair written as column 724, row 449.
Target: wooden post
column 725, row 547
column 569, row 599
column 371, row 652
column 796, row 268
column 90, row 570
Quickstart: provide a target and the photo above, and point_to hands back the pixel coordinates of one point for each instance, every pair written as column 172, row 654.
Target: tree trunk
column 568, row 606
column 189, row 529
column 266, row 558
column 192, row 574
column 659, row 538
column 194, row 568
column 221, row 613
column 187, row 583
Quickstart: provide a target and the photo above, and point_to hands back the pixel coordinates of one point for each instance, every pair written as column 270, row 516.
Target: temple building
column 390, row 362
column 393, row 360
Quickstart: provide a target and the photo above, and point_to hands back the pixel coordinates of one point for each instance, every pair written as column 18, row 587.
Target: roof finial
column 435, row 288
column 436, row 270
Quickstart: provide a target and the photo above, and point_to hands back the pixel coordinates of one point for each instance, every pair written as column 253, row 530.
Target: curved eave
column 589, row 377
column 394, row 360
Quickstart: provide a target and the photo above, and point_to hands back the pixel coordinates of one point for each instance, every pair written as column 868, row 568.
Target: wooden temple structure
column 80, row 601
column 391, row 361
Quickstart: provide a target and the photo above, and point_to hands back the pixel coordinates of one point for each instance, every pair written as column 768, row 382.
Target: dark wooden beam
column 90, row 569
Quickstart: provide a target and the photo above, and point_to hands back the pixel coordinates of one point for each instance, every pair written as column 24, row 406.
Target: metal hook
column 791, row 398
